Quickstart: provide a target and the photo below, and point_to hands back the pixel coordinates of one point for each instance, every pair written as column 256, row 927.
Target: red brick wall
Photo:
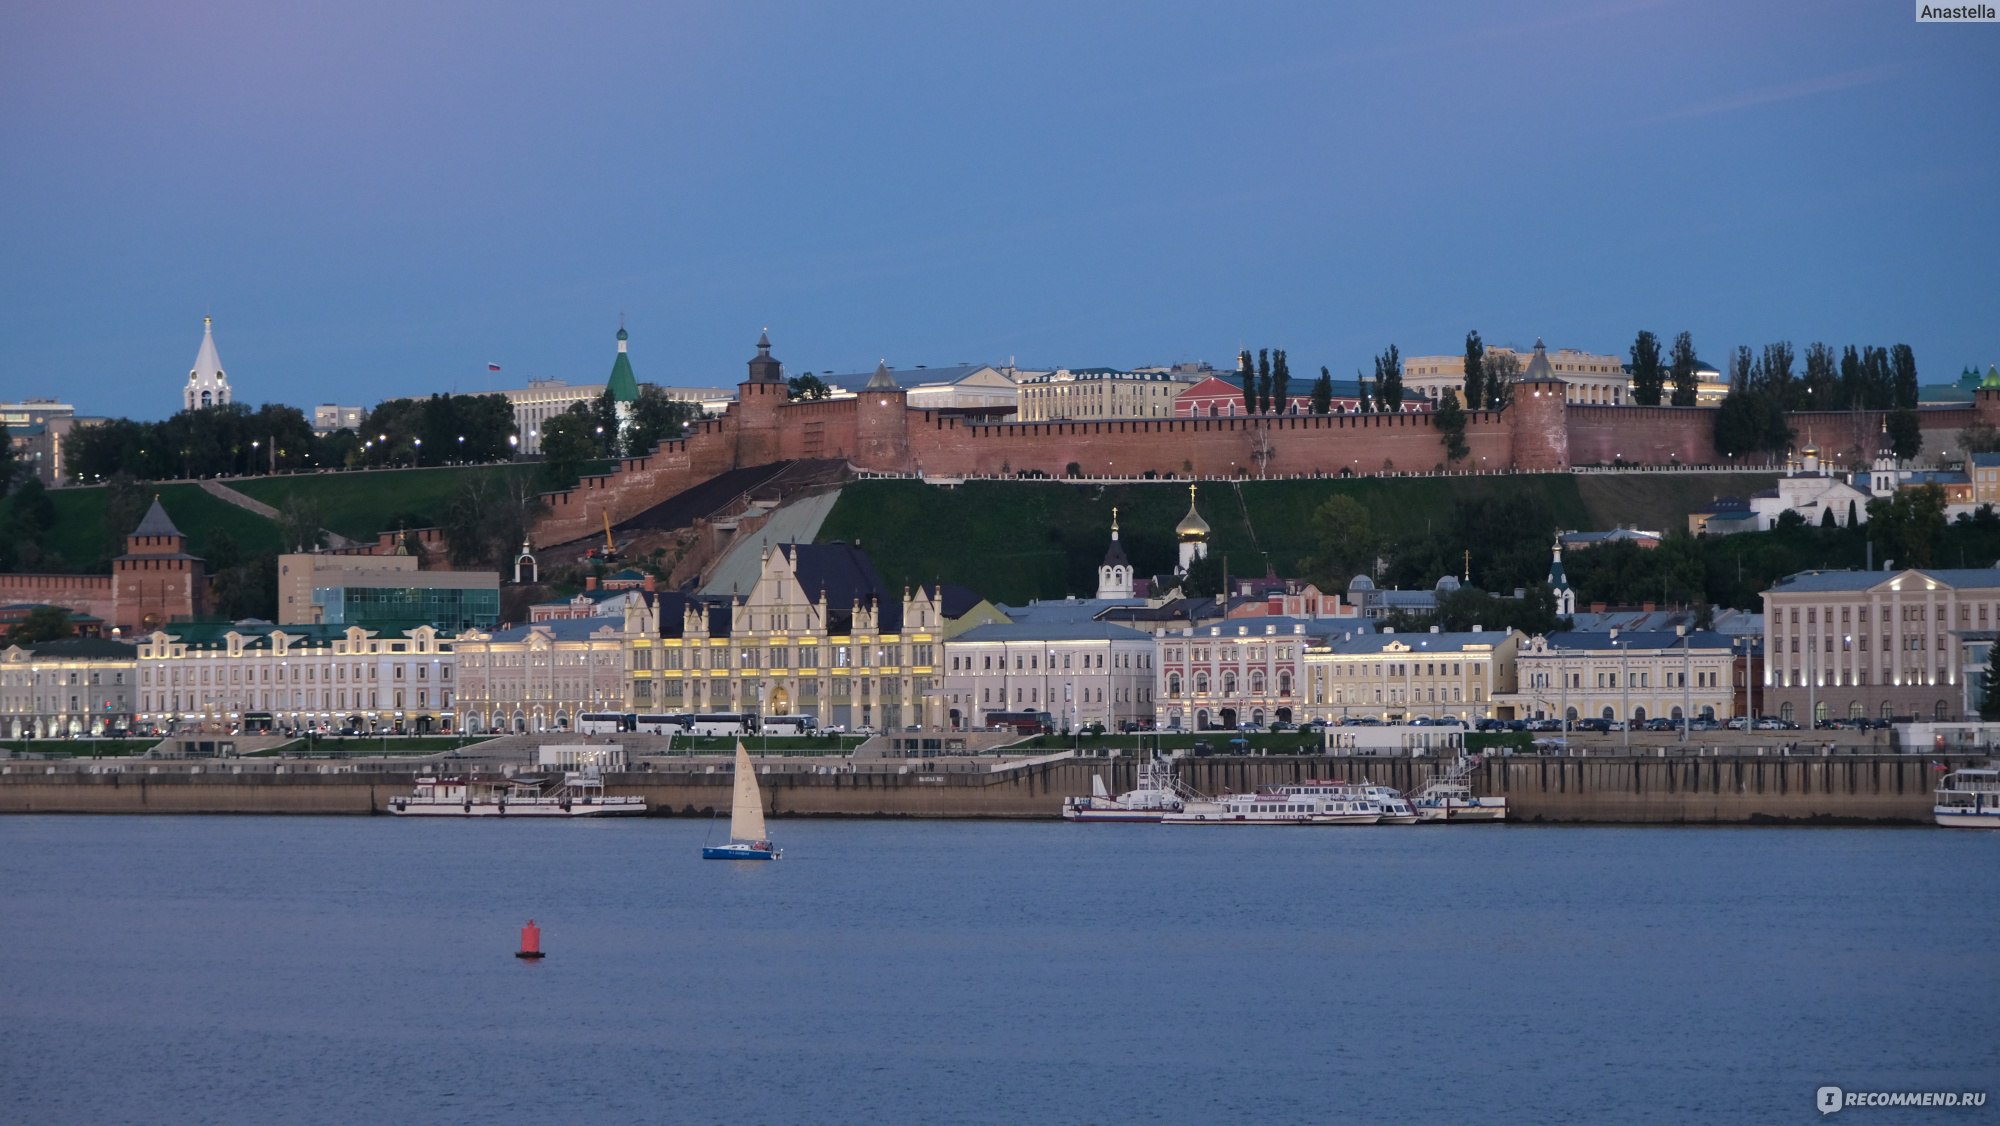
column 90, row 594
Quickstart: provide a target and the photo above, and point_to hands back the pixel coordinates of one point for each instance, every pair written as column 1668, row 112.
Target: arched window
column 1229, row 682
column 1821, row 711
column 1173, row 684
column 1256, row 682
column 1887, row 712
column 1785, row 713
column 1201, row 683
column 1939, row 711
column 1855, row 710
column 1285, row 683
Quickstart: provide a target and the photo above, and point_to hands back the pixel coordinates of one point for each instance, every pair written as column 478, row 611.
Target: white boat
column 1158, row 794
column 1969, row 799
column 747, row 840
column 1298, row 804
column 1449, row 797
column 573, row 794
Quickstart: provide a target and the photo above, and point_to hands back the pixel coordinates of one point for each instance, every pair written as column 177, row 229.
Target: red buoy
column 531, row 941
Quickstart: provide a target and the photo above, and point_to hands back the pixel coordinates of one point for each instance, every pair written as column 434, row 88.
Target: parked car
column 1737, row 722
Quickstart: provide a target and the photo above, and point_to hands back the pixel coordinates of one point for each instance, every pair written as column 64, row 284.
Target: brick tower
column 758, row 398
column 1539, row 417
column 156, row 581
column 882, row 432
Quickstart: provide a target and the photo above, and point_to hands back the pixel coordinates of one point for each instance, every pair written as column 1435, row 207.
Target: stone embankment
column 1695, row 790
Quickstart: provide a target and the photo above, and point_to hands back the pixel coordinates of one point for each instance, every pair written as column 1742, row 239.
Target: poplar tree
column 1389, row 380
column 1989, row 700
column 1366, row 394
column 1903, row 372
column 1686, row 382
column 1263, row 381
column 1281, row 382
column 1248, row 377
column 1322, row 397
column 1475, row 370
column 1450, row 423
column 1647, row 376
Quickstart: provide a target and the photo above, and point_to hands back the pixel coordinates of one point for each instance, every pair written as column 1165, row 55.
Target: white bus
column 722, row 723
column 604, row 723
column 676, row 724
column 788, row 725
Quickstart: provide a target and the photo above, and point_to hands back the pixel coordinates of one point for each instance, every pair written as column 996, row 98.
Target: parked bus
column 258, row 723
column 788, row 725
column 675, row 724
column 722, row 723
column 1024, row 723
column 604, row 723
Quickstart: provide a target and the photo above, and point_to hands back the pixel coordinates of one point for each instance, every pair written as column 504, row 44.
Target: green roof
column 623, row 387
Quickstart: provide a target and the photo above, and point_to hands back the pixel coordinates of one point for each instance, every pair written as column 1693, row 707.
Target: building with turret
column 1559, row 584
column 1115, row 578
column 1192, row 534
column 624, row 389
column 207, row 385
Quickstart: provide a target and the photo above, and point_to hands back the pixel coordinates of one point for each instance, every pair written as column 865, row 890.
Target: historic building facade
column 1099, row 393
column 1240, row 671
column 1080, row 673
column 541, row 676
column 207, row 384
column 215, row 677
column 1588, row 377
column 79, row 686
column 1398, row 677
column 1631, row 675
column 1879, row 644
column 818, row 633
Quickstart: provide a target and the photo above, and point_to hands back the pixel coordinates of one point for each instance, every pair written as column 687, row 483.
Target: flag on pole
column 492, row 367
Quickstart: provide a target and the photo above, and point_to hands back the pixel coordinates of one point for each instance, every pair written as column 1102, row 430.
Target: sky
column 376, row 199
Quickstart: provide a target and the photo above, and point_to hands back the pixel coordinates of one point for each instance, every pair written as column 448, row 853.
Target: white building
column 1080, row 673
column 1404, row 676
column 76, row 686
column 1590, row 378
column 207, row 385
column 207, row 677
column 1808, row 489
column 1242, row 670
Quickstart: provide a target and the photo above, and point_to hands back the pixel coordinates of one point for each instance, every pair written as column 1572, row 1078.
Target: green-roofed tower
column 623, row 387
column 1992, row 376
column 1559, row 584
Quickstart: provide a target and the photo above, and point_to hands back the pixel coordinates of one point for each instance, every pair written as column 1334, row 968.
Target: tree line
column 1764, row 386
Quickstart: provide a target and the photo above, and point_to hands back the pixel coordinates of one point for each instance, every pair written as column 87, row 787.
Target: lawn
column 361, row 505
column 84, row 543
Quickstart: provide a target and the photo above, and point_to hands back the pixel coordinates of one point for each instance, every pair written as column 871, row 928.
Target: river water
column 344, row 970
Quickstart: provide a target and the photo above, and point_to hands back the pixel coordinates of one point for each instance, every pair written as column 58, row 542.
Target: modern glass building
column 450, row 609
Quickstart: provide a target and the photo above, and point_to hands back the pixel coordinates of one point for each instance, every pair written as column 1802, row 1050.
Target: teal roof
column 623, row 387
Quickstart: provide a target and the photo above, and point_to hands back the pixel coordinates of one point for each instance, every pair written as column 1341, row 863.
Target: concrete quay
column 1722, row 789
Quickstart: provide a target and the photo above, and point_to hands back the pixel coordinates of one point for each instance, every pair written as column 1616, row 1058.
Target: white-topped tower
column 1192, row 532
column 207, row 386
column 1114, row 575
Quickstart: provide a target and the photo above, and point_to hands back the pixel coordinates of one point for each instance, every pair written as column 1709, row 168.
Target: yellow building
column 1100, row 393
column 1404, row 676
column 818, row 634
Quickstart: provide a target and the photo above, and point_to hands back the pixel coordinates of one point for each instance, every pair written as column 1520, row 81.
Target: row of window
column 1904, row 613
column 261, row 674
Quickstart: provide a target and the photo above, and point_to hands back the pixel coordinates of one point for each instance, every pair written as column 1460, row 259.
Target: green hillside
column 1018, row 540
column 82, row 542
column 362, row 505
column 1660, row 502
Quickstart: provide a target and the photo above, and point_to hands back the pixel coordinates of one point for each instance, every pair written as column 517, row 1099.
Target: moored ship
column 1449, row 797
column 1157, row 794
column 573, row 794
column 1968, row 799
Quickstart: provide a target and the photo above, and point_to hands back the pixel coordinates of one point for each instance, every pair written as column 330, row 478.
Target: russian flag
column 492, row 367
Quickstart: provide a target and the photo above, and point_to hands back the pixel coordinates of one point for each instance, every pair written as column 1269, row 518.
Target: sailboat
column 746, row 819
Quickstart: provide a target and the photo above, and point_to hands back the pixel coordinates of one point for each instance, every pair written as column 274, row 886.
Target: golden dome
column 1192, row 526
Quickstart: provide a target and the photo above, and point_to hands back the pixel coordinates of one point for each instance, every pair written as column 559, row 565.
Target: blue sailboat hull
column 738, row 852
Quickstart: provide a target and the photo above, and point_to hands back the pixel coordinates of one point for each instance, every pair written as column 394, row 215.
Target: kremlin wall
column 877, row 431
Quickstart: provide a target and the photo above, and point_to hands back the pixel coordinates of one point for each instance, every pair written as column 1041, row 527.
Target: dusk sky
column 379, row 199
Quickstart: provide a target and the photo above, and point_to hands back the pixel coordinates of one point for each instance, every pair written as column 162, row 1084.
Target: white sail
column 746, row 811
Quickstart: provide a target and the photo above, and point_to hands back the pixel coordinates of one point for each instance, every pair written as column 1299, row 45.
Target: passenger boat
column 1158, row 794
column 1396, row 809
column 1969, row 799
column 1279, row 805
column 747, row 840
column 1449, row 797
column 573, row 794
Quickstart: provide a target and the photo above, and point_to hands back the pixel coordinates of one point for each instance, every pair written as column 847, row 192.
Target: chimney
column 648, row 586
column 590, row 583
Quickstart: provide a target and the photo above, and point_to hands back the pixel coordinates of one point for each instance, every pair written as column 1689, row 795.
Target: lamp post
column 1625, row 687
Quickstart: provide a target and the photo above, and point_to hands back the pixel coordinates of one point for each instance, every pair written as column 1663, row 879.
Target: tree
column 1750, row 422
column 569, row 442
column 1909, row 526
column 604, row 425
column 1775, row 370
column 43, row 623
column 300, row 525
column 1364, row 393
column 1647, row 375
column 1344, row 542
column 1979, row 438
column 1450, row 423
column 1475, row 370
column 658, row 418
column 1281, row 382
column 1322, row 393
column 1389, row 380
column 1906, row 435
column 124, row 506
column 807, row 387
column 1989, row 700
column 1903, row 376
column 1686, row 381
column 1247, row 376
column 1263, row 381
column 1204, row 577
column 1822, row 381
column 10, row 462
column 1501, row 369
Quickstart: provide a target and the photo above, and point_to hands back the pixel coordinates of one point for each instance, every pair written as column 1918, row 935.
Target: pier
column 1648, row 789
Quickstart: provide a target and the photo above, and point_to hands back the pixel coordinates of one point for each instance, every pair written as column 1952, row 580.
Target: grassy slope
column 1014, row 541
column 363, row 505
column 79, row 534
column 1660, row 502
